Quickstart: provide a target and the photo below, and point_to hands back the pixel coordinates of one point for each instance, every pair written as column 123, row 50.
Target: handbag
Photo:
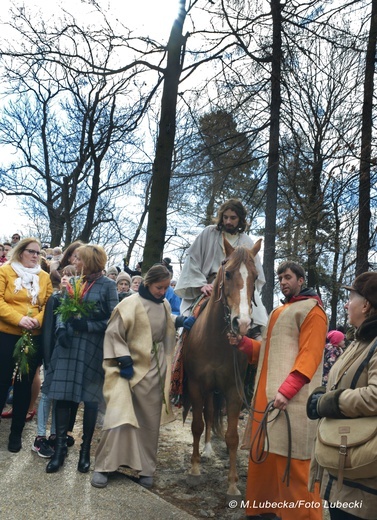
column 347, row 448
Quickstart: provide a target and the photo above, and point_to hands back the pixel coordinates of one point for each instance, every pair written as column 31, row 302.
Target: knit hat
column 335, row 337
column 123, row 276
column 365, row 285
column 112, row 270
column 166, row 262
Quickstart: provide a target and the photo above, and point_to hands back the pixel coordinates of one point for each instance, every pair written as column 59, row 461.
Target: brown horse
column 212, row 366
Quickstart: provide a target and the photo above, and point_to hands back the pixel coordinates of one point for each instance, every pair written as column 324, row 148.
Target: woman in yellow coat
column 24, row 291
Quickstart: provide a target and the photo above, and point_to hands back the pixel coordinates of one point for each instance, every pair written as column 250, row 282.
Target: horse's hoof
column 193, row 480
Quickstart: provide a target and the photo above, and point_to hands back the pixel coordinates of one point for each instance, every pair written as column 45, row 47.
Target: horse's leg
column 197, row 426
column 231, row 438
column 208, row 419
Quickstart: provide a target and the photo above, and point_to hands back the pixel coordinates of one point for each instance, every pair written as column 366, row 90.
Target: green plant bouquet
column 73, row 305
column 24, row 351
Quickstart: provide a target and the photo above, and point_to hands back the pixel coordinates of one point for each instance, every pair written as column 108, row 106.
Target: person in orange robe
column 289, row 366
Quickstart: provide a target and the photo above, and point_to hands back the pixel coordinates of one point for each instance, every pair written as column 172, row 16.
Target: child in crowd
column 42, row 446
column 335, row 343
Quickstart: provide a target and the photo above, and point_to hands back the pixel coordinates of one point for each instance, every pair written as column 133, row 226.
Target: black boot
column 90, row 417
column 62, row 418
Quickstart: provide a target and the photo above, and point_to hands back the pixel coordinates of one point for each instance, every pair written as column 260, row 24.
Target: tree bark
column 363, row 235
column 156, row 228
column 273, row 158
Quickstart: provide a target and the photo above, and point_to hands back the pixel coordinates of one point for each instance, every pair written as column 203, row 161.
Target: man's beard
column 232, row 230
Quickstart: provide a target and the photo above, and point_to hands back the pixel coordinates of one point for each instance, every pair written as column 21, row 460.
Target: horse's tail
column 218, row 413
column 185, row 400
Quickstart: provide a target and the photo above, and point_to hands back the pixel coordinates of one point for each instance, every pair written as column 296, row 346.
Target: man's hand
column 280, row 401
column 207, row 289
column 233, row 339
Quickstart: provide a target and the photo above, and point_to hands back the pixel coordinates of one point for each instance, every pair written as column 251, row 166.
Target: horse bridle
column 222, row 298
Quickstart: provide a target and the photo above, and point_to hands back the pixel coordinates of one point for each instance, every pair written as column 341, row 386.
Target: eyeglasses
column 16, row 236
column 33, row 252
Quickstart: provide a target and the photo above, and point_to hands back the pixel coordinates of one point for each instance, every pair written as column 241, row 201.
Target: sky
column 153, row 18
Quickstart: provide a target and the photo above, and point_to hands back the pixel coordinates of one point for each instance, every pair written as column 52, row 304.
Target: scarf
column 92, row 277
column 144, row 293
column 368, row 329
column 305, row 294
column 28, row 279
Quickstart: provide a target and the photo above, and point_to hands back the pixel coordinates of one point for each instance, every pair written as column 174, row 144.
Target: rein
column 260, row 438
column 261, row 442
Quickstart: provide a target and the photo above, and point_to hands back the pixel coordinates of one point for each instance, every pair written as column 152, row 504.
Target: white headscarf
column 27, row 278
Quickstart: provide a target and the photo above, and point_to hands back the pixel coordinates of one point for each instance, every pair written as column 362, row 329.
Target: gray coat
column 76, row 373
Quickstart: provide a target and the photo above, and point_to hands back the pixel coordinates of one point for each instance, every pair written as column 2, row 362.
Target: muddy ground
column 206, row 499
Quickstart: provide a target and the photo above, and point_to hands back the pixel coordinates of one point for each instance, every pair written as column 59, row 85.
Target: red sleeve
column 292, row 384
column 251, row 348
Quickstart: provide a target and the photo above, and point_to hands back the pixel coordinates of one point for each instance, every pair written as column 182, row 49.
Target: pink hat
column 335, row 337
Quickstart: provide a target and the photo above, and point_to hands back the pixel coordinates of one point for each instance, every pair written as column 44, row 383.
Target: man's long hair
column 236, row 206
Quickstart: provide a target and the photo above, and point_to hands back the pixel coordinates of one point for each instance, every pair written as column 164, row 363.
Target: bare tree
column 363, row 237
column 71, row 129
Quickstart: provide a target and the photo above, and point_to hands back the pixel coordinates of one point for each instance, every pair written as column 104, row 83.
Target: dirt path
column 207, row 499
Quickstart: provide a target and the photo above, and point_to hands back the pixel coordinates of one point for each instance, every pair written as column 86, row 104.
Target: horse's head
column 236, row 280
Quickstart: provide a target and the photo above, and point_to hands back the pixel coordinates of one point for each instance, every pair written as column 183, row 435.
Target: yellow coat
column 13, row 306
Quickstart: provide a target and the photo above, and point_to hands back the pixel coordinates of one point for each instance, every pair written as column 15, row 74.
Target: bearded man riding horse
column 211, row 366
column 207, row 252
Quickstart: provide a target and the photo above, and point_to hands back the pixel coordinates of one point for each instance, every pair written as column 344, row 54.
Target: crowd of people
column 58, row 303
column 105, row 337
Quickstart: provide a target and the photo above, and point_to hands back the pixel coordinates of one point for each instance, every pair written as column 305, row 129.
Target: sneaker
column 42, row 448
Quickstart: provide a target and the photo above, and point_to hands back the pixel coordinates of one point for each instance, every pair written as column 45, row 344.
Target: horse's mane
column 240, row 255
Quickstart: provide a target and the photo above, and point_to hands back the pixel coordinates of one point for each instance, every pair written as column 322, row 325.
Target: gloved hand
column 63, row 338
column 184, row 321
column 311, row 405
column 328, row 405
column 79, row 324
column 188, row 322
column 126, row 366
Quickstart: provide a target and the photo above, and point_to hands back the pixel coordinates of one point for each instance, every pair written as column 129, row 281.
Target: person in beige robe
column 139, row 340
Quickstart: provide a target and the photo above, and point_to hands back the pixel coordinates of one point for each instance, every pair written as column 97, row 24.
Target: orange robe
column 265, row 492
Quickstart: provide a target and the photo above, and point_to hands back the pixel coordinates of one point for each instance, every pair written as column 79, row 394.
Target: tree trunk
column 315, row 210
column 273, row 158
column 363, row 237
column 156, row 229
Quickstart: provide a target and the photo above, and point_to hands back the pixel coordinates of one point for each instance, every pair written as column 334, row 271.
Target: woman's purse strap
column 362, row 365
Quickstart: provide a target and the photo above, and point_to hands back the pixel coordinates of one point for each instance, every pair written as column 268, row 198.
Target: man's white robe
column 204, row 258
